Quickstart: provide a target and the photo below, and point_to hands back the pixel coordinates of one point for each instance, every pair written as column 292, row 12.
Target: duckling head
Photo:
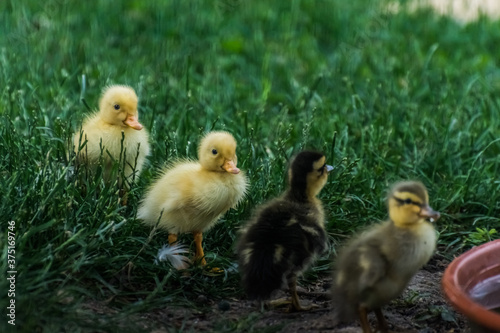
column 118, row 106
column 409, row 204
column 308, row 174
column 217, row 152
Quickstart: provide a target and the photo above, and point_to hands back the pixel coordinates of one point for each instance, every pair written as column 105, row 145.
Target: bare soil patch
column 421, row 308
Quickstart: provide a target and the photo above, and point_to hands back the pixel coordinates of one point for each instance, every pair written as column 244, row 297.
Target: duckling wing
column 372, row 264
column 168, row 196
column 280, row 241
column 361, row 267
column 90, row 135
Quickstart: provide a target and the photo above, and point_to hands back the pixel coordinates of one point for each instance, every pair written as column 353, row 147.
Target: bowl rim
column 459, row 299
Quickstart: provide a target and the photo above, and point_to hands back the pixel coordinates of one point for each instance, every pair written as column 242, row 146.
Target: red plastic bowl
column 466, row 272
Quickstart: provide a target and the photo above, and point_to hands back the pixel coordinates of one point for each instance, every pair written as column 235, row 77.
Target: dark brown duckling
column 285, row 234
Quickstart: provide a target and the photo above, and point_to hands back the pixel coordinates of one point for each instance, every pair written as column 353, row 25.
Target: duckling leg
column 199, row 254
column 363, row 318
column 295, row 306
column 123, row 196
column 292, row 286
column 172, row 238
column 382, row 324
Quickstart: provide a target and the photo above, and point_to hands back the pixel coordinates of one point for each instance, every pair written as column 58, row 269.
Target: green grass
column 407, row 95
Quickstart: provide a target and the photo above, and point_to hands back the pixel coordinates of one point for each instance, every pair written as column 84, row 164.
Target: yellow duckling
column 376, row 266
column 285, row 235
column 191, row 196
column 103, row 132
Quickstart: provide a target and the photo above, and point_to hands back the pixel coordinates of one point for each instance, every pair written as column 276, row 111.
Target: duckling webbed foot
column 297, row 307
column 293, row 306
column 212, row 271
column 295, row 303
column 276, row 303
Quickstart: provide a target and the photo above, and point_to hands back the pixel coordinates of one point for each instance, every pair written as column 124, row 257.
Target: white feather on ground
column 173, row 254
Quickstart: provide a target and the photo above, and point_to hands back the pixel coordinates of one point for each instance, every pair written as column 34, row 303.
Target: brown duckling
column 376, row 266
column 285, row 235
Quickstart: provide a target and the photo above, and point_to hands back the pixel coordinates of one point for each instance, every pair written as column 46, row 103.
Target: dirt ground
column 421, row 308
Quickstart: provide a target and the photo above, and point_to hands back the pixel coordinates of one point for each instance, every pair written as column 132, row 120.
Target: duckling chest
column 219, row 192
column 137, row 141
column 416, row 248
column 117, row 140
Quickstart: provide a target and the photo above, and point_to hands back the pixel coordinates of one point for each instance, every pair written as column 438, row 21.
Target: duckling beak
column 329, row 168
column 133, row 122
column 429, row 213
column 230, row 167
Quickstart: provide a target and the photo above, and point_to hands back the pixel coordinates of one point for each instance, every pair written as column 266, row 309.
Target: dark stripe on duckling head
column 301, row 165
column 414, row 187
column 407, row 201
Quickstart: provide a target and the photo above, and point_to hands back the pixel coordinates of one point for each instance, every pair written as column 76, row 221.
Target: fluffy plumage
column 174, row 255
column 285, row 234
column 103, row 131
column 375, row 267
column 191, row 196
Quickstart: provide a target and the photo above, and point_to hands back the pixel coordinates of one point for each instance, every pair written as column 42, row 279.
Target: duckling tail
column 261, row 274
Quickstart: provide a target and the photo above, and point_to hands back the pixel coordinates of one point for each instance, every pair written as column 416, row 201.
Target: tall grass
column 385, row 96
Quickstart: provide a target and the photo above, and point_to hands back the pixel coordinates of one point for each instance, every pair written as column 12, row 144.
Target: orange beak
column 430, row 213
column 133, row 122
column 230, row 167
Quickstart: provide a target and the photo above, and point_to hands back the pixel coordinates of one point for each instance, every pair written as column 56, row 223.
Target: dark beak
column 328, row 168
column 429, row 213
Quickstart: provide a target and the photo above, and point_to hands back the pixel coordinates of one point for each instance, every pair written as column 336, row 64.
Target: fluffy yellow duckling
column 376, row 266
column 191, row 196
column 117, row 115
column 285, row 235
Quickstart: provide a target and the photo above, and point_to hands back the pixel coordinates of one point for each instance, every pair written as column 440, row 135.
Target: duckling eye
column 214, row 151
column 322, row 169
column 408, row 201
column 117, row 107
